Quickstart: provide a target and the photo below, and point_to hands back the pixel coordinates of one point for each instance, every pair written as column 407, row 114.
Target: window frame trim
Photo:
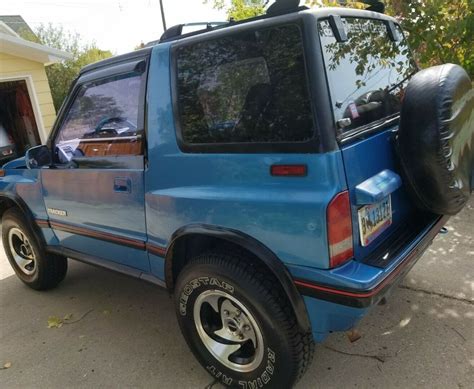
column 312, row 145
column 94, row 76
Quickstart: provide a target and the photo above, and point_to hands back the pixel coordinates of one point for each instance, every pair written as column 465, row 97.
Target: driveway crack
column 443, row 295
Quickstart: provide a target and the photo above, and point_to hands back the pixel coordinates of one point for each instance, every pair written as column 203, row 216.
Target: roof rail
column 280, row 7
column 177, row 30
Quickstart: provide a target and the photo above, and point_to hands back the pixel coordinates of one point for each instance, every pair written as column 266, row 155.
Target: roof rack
column 280, row 7
column 177, row 30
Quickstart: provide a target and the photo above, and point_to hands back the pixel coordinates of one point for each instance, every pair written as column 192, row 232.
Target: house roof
column 17, row 24
column 11, row 43
column 7, row 29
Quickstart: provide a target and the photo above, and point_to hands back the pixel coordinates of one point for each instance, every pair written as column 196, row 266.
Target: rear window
column 367, row 74
column 249, row 87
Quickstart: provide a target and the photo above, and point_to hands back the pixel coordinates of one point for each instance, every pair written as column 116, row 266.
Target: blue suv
column 277, row 175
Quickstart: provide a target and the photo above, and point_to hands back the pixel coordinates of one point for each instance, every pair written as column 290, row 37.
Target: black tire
column 46, row 270
column 249, row 288
column 436, row 138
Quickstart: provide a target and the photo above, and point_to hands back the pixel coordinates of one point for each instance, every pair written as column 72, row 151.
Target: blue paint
column 287, row 215
column 157, row 266
column 91, row 201
column 354, row 274
column 328, row 317
column 233, row 191
column 363, row 160
column 15, row 163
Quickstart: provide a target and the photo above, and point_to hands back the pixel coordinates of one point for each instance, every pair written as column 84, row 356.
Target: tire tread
column 55, row 269
column 238, row 262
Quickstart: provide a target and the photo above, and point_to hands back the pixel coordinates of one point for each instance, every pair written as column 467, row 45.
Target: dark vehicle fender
column 9, row 200
column 253, row 246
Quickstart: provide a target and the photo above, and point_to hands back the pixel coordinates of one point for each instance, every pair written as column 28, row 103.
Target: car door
column 94, row 193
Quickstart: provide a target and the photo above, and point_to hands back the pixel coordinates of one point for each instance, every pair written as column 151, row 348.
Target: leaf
column 353, row 335
column 54, row 322
column 68, row 317
column 7, row 365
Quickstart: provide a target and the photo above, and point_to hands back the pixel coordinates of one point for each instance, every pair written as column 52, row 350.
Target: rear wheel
column 239, row 323
column 36, row 268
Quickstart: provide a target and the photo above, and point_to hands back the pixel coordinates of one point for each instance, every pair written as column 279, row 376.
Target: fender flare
column 255, row 247
column 25, row 210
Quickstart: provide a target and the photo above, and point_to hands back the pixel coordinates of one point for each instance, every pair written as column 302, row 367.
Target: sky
column 115, row 25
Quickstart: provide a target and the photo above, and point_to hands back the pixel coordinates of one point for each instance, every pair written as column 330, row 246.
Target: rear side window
column 245, row 88
column 367, row 74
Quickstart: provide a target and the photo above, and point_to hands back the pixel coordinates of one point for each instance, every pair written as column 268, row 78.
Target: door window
column 105, row 119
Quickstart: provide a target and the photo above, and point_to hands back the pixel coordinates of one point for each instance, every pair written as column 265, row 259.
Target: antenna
column 163, row 15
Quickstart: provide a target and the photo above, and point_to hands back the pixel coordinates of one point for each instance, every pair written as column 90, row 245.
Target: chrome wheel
column 228, row 330
column 22, row 251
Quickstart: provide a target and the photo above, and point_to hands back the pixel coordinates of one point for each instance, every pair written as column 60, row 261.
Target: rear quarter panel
column 235, row 191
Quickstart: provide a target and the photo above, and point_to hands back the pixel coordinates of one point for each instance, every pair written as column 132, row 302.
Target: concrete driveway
column 123, row 332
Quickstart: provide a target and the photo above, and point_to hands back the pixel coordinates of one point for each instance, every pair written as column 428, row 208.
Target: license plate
column 374, row 219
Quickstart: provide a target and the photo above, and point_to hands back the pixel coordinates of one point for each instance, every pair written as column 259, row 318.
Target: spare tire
column 436, row 138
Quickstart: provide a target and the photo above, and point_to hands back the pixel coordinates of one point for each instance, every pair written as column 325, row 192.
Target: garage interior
column 17, row 120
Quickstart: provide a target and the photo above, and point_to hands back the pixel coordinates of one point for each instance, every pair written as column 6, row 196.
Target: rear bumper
column 346, row 293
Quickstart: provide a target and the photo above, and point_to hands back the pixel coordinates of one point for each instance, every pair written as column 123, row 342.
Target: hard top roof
column 317, row 13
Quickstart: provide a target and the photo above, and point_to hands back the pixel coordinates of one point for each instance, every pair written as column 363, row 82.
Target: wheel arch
column 10, row 200
column 194, row 239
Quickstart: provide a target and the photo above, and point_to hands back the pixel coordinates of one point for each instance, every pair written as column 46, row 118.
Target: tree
column 61, row 75
column 438, row 31
column 240, row 9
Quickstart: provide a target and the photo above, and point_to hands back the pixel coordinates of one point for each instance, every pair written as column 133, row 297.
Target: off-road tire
column 49, row 269
column 288, row 351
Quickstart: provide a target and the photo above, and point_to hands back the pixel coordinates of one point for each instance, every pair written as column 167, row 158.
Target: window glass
column 104, row 120
column 249, row 87
column 367, row 74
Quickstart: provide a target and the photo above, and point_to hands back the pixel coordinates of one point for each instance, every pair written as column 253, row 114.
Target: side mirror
column 37, row 157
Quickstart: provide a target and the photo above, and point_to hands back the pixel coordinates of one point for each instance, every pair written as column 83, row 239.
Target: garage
column 18, row 128
column 27, row 113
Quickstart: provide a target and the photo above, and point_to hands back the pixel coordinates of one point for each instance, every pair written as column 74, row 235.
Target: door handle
column 122, row 185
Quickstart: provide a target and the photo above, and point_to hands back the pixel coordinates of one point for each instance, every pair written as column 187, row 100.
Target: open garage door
column 18, row 128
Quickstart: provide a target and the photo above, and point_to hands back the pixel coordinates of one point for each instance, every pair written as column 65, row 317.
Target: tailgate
column 373, row 161
column 368, row 68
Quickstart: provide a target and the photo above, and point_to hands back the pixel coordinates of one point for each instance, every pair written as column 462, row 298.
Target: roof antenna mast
column 163, row 15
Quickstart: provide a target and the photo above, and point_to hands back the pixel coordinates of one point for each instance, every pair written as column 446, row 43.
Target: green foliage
column 438, row 31
column 61, row 75
column 240, row 9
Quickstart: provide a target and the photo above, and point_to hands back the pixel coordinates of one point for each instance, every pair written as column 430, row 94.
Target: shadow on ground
column 130, row 338
column 125, row 333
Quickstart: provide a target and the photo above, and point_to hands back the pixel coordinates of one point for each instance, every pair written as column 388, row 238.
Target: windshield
column 367, row 74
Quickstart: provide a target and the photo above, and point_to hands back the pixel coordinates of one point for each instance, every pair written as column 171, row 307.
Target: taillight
column 339, row 224
column 289, row 170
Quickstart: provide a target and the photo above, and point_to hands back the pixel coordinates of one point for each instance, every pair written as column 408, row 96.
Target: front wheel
column 27, row 256
column 239, row 323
